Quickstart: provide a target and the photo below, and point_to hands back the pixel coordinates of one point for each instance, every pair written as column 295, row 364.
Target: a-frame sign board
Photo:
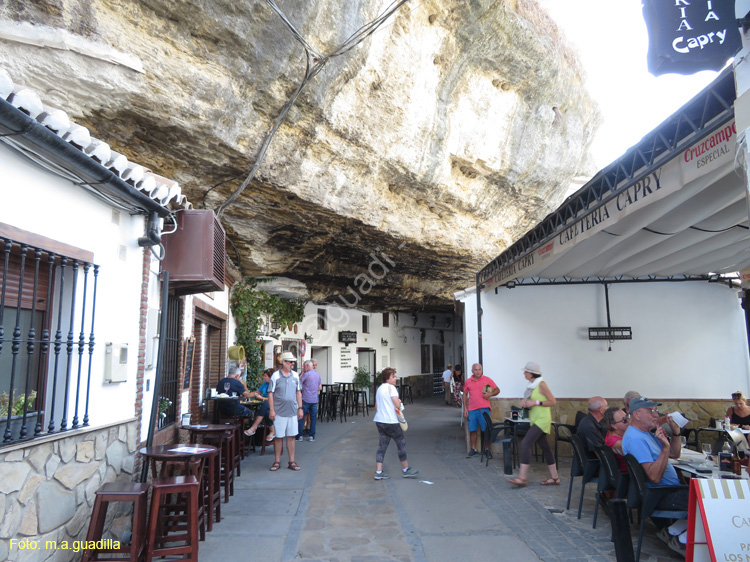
column 719, row 521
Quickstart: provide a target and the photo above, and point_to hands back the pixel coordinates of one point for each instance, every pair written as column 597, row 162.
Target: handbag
column 402, row 420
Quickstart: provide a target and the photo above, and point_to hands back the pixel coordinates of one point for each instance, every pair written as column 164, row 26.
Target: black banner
column 687, row 36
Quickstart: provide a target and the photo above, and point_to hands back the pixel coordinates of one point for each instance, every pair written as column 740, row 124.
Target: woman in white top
column 386, row 420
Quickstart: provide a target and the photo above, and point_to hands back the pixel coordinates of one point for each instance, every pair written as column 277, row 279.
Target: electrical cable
column 311, row 70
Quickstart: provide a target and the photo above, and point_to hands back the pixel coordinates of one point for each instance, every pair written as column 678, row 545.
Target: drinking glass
column 683, row 440
column 226, row 387
column 707, row 450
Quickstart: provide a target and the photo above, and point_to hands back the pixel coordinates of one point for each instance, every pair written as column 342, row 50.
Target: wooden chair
column 118, row 492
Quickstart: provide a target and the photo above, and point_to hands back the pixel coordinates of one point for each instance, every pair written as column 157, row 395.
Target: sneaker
column 298, row 438
column 381, row 476
column 409, row 473
column 311, row 438
column 663, row 535
column 675, row 544
column 472, row 453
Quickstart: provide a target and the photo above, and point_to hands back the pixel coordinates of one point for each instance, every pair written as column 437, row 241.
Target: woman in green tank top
column 539, row 399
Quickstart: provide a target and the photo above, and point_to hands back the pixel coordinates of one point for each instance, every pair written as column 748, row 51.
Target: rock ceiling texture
column 429, row 147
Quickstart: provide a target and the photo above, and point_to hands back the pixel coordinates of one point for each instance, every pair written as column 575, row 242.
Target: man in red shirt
column 478, row 390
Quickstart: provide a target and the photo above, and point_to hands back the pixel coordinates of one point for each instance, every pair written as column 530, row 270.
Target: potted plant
column 16, row 409
column 362, row 381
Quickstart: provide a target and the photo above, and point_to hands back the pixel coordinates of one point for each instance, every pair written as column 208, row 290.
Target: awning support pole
column 479, row 321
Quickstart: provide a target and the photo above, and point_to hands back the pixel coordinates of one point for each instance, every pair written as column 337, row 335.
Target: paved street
column 333, row 510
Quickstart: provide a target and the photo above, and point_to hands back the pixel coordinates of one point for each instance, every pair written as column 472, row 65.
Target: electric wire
column 314, row 63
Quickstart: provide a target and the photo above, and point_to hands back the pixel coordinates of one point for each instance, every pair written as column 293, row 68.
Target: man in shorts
column 478, row 389
column 285, row 409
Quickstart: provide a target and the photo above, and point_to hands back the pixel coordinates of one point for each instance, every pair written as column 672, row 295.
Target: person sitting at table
column 739, row 414
column 590, row 429
column 233, row 386
column 263, row 411
column 615, row 423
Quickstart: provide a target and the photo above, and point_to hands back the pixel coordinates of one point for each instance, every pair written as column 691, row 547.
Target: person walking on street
column 539, row 399
column 447, row 384
column 386, row 420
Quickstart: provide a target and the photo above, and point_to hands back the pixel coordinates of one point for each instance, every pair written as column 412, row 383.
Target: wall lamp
column 308, row 339
column 384, row 342
column 511, row 284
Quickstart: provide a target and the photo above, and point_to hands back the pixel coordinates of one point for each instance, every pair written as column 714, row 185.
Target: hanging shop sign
column 688, row 37
column 347, row 337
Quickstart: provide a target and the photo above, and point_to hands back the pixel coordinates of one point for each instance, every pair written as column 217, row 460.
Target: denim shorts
column 476, row 419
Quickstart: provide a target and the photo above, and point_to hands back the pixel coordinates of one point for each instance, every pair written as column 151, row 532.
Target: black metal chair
column 499, row 432
column 610, row 477
column 583, row 466
column 648, row 498
column 692, row 437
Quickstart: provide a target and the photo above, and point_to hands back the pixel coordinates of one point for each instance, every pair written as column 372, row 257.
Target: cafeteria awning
column 672, row 205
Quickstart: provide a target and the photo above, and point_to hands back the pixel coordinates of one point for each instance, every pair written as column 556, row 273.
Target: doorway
column 323, row 356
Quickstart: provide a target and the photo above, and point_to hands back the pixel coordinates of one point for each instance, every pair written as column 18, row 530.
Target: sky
column 610, row 37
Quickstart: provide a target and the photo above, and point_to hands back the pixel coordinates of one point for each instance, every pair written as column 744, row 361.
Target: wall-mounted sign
column 347, row 337
column 687, row 37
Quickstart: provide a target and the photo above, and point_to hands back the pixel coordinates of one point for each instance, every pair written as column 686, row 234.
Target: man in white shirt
column 447, row 383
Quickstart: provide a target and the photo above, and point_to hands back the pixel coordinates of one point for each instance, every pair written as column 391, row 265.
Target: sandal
column 275, row 466
column 550, row 482
column 270, row 438
column 294, row 466
column 249, row 432
column 517, row 482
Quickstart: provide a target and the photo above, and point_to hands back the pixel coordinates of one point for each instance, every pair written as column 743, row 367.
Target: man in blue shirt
column 653, row 450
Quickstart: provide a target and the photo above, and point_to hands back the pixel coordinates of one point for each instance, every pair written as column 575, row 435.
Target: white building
column 82, row 319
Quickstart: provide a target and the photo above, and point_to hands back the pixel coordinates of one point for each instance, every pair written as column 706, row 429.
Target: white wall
column 37, row 201
column 402, row 334
column 689, row 339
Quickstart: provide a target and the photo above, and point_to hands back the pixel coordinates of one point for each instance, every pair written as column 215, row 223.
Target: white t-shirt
column 386, row 410
column 447, row 375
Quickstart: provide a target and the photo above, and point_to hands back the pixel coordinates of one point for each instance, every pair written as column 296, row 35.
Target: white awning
column 672, row 206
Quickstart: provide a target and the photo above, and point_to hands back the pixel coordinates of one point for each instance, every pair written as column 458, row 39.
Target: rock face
column 435, row 143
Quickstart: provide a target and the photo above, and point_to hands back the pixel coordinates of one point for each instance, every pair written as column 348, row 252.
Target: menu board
column 718, row 520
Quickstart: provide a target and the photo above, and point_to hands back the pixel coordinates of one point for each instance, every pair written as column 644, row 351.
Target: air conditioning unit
column 195, row 253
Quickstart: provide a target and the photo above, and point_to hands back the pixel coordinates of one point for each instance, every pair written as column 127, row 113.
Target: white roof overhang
column 673, row 205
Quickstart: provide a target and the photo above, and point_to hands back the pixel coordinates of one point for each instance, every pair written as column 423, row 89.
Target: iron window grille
column 47, row 311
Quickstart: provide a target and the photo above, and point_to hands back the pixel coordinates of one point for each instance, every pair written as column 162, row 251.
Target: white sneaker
column 311, row 438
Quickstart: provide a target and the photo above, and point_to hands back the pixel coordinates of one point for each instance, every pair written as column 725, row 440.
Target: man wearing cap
column 447, row 384
column 285, row 409
column 590, row 430
column 653, row 450
column 478, row 390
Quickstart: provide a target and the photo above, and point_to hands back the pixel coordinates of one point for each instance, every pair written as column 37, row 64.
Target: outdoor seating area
column 597, row 481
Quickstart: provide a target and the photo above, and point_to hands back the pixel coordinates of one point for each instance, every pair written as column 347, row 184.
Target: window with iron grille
column 47, row 305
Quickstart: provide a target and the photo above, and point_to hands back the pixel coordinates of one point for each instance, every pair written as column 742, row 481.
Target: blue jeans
column 312, row 409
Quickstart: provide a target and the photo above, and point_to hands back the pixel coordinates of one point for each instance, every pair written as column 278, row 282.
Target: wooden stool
column 170, row 523
column 118, row 492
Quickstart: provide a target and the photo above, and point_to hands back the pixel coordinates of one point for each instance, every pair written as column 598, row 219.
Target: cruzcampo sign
column 687, row 36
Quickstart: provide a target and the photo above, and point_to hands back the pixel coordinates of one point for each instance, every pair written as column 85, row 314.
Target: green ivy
column 248, row 303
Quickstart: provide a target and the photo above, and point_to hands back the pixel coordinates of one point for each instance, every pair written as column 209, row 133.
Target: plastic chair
column 583, row 466
column 610, row 477
column 492, row 434
column 563, row 431
column 649, row 497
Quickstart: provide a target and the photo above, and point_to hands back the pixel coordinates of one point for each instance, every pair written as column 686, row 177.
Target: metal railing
column 47, row 311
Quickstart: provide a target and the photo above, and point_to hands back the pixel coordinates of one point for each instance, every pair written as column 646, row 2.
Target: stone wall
column 62, row 473
column 699, row 412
